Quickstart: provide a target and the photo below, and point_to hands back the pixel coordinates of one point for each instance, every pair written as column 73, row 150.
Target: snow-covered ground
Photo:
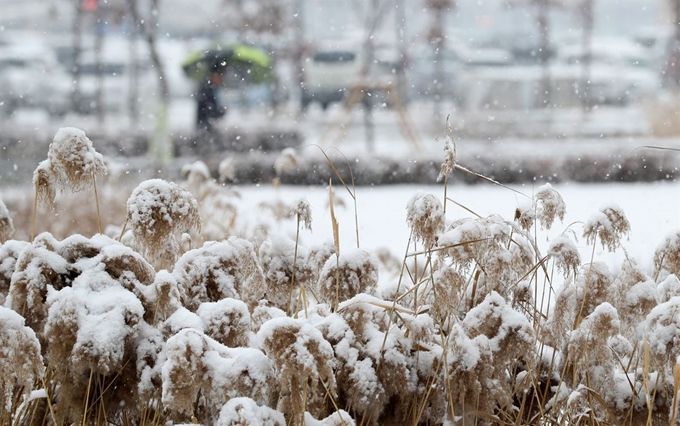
column 653, row 210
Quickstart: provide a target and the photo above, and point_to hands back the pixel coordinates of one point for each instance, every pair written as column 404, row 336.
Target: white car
column 330, row 73
column 32, row 79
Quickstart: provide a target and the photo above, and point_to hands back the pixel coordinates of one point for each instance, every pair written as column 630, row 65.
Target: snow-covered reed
column 248, row 326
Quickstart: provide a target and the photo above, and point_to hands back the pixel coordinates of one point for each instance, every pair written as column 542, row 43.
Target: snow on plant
column 466, row 376
column 609, row 224
column 634, row 294
column 72, row 163
column 21, row 363
column 525, row 215
column 506, row 336
column 549, row 205
column 448, row 292
column 594, row 363
column 577, row 299
column 9, row 253
column 215, row 201
column 486, row 243
column 38, row 270
column 667, row 255
column 425, row 217
column 227, row 321
column 565, row 254
column 245, row 411
column 6, row 225
column 285, row 270
column 218, row 336
column 355, row 271
column 73, row 160
column 219, row 270
column 196, row 364
column 339, row 418
column 156, row 210
column 374, row 362
column 304, row 363
column 91, row 329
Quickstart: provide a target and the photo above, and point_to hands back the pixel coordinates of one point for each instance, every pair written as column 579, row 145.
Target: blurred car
column 332, row 71
column 32, row 78
column 457, row 62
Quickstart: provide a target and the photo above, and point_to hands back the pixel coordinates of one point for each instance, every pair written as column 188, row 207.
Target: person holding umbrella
column 246, row 64
column 209, row 102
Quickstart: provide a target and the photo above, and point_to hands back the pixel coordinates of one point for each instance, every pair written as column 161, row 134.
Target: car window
column 334, row 57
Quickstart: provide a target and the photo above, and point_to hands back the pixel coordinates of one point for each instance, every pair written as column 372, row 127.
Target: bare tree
column 672, row 68
column 161, row 144
column 270, row 23
column 588, row 17
column 77, row 48
column 543, row 8
column 437, row 37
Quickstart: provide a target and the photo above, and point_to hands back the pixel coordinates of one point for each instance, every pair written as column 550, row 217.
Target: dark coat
column 208, row 107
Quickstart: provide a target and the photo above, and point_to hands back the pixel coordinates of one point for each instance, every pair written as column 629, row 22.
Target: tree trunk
column 544, row 54
column 586, row 50
column 77, row 34
column 161, row 147
column 99, row 66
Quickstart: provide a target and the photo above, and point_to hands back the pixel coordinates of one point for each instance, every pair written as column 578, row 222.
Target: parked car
column 32, row 78
column 331, row 72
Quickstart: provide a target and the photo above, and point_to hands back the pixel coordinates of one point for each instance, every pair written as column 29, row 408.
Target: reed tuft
column 156, row 210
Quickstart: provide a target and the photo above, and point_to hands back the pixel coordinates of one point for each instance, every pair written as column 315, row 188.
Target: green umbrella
column 250, row 62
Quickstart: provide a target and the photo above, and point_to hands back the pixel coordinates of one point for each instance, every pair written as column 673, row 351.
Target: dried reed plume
column 72, row 163
column 609, row 224
column 9, row 253
column 45, row 183
column 525, row 216
column 227, row 321
column 354, row 272
column 92, row 330
column 226, row 170
column 282, row 260
column 667, row 255
column 449, row 287
column 198, row 364
column 219, row 270
column 37, row 271
column 73, row 160
column 587, row 351
column 246, row 412
column 374, row 365
column 6, row 226
column 304, row 363
column 302, row 211
column 565, row 254
column 157, row 210
column 21, row 364
column 507, row 333
column 467, row 377
column 549, row 206
column 449, row 163
column 425, row 217
column 634, row 295
column 286, row 161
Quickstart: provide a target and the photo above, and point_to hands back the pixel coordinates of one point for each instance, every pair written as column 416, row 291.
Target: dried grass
column 462, row 330
column 219, row 270
column 21, row 364
column 304, row 363
column 156, row 210
column 343, row 277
